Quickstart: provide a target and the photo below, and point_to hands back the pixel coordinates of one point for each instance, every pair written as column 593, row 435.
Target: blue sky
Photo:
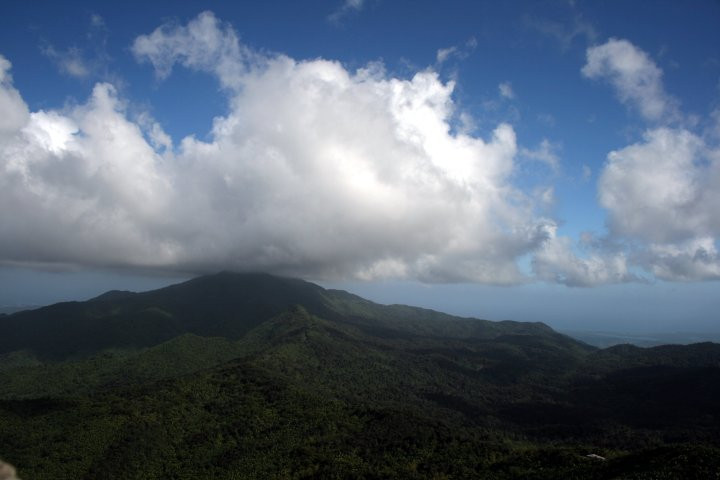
column 555, row 161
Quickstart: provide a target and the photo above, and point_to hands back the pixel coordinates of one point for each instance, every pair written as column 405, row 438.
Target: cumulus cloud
column 324, row 172
column 82, row 188
column 691, row 260
column 660, row 189
column 661, row 193
column 315, row 171
column 664, row 191
column 556, row 261
column 635, row 77
column 15, row 112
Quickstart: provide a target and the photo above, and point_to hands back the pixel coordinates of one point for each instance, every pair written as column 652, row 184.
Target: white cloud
column 546, row 153
column 97, row 21
column 15, row 112
column 324, row 172
column 506, row 90
column 636, row 78
column 555, row 261
column 315, row 171
column 662, row 189
column 159, row 139
column 664, row 192
column 714, row 124
column 70, row 62
column 444, row 53
column 203, row 44
column 546, row 196
column 353, row 4
column 319, row 171
column 83, row 63
column 692, row 260
column 82, row 188
column 349, row 6
column 460, row 52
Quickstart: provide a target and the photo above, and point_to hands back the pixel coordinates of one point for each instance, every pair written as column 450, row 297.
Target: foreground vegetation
column 252, row 376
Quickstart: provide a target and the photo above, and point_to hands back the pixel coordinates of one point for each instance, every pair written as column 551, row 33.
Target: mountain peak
column 229, row 304
column 112, row 295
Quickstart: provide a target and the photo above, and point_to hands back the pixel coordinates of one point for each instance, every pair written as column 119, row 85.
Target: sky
column 554, row 161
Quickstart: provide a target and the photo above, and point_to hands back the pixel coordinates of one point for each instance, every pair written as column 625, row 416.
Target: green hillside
column 253, row 376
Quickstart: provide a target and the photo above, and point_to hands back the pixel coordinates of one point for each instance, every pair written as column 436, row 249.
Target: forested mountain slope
column 255, row 376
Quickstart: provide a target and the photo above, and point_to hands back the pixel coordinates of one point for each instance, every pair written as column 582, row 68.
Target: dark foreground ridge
column 256, row 376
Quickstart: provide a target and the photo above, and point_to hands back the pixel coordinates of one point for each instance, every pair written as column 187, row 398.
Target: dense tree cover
column 300, row 382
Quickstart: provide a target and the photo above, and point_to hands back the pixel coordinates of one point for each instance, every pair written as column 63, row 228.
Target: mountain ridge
column 305, row 382
column 225, row 304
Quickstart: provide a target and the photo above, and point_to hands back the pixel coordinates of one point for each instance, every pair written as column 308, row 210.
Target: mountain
column 223, row 305
column 609, row 339
column 255, row 376
column 7, row 309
